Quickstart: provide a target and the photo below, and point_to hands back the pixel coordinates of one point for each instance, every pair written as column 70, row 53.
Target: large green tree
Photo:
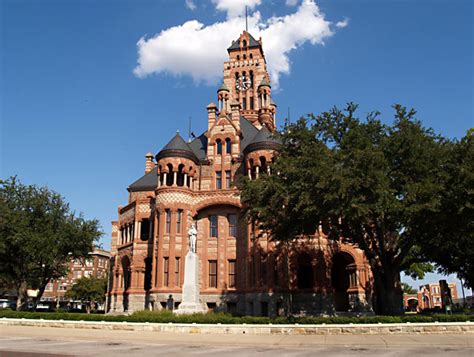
column 365, row 182
column 449, row 237
column 88, row 290
column 39, row 235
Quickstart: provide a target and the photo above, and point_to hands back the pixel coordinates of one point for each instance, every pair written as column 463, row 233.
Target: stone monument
column 190, row 299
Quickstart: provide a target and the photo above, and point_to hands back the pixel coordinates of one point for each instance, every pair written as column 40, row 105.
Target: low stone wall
column 351, row 329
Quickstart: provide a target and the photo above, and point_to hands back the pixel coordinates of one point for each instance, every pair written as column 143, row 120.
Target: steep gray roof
column 248, row 131
column 264, row 139
column 236, row 44
column 199, row 146
column 177, row 147
column 147, row 182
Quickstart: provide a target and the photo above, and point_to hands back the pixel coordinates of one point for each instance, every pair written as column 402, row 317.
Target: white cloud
column 342, row 24
column 235, row 8
column 195, row 50
column 291, row 2
column 190, row 4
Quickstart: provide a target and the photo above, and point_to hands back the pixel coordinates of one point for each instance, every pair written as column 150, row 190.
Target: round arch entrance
column 341, row 280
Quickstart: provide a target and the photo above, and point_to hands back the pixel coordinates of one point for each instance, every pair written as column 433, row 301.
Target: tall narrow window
column 228, row 146
column 231, row 273
column 168, row 221
column 244, row 103
column 228, row 179
column 251, row 103
column 176, row 272
column 219, row 146
column 232, row 218
column 145, row 229
column 213, row 273
column 218, row 180
column 213, row 232
column 166, row 267
column 179, row 218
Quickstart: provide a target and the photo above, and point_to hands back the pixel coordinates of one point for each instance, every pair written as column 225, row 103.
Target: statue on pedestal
column 190, row 302
column 192, row 236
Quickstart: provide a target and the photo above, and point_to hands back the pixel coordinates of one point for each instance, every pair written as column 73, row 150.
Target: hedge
column 214, row 318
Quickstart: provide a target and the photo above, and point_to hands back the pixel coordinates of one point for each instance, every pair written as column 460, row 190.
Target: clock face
column 243, row 83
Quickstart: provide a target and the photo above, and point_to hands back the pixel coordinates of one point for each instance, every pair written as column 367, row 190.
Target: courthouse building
column 241, row 271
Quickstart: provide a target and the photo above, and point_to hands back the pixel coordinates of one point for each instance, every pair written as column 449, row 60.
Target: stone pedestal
column 190, row 302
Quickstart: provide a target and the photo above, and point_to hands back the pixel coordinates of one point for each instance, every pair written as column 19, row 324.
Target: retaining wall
column 350, row 329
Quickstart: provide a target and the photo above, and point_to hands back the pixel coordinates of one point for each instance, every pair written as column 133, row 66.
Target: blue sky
column 75, row 116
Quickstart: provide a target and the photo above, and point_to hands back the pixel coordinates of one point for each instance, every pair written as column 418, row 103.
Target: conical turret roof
column 264, row 139
column 177, row 147
column 264, row 83
column 223, row 87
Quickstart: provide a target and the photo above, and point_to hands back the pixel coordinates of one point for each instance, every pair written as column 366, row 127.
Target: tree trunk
column 387, row 291
column 21, row 296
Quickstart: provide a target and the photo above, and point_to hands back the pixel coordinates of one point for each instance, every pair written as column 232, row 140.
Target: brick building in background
column 97, row 265
column 429, row 296
column 241, row 271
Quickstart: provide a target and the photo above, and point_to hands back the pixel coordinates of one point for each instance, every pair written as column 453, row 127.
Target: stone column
column 175, row 177
column 257, row 170
column 164, row 178
column 185, row 181
column 250, row 173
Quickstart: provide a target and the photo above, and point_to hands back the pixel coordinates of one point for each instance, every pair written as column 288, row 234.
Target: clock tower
column 246, row 82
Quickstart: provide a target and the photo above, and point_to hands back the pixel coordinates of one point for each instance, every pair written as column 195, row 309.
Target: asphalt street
column 46, row 341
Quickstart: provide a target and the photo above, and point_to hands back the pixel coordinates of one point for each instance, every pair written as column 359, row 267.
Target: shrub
column 166, row 316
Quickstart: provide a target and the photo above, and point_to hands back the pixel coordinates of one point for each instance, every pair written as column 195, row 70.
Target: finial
column 177, row 131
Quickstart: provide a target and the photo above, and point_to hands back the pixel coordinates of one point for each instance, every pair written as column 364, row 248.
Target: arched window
column 180, row 177
column 228, row 146
column 219, row 146
column 251, row 56
column 169, row 176
column 238, row 58
column 244, row 43
column 245, row 57
column 263, row 164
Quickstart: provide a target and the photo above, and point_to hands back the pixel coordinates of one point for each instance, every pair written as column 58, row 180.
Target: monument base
column 190, row 303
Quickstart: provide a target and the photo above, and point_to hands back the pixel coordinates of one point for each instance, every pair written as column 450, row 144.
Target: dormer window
column 219, row 146
column 244, row 43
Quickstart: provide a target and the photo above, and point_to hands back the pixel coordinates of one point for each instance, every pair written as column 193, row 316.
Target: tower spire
column 246, row 20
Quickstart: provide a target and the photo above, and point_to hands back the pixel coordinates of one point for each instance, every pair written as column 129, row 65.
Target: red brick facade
column 241, row 270
column 429, row 296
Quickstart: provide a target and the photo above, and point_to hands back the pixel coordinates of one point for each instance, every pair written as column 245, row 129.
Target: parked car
column 7, row 304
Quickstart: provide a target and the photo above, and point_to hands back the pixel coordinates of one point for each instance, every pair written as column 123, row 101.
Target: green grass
column 214, row 318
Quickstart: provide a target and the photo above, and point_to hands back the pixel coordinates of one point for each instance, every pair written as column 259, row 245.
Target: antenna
column 189, row 130
column 246, row 21
column 289, row 119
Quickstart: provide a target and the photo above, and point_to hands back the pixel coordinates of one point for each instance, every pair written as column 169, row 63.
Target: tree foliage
column 39, row 235
column 367, row 183
column 408, row 289
column 88, row 290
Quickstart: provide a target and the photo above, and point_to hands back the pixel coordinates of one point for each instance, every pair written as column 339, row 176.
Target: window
column 168, row 221
column 176, row 272
column 219, row 146
column 251, row 103
column 228, row 146
column 232, row 218
column 244, row 103
column 145, row 230
column 244, row 43
column 166, row 266
column 179, row 218
column 218, row 180
column 228, row 179
column 213, row 232
column 49, row 287
column 213, row 273
column 231, row 273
